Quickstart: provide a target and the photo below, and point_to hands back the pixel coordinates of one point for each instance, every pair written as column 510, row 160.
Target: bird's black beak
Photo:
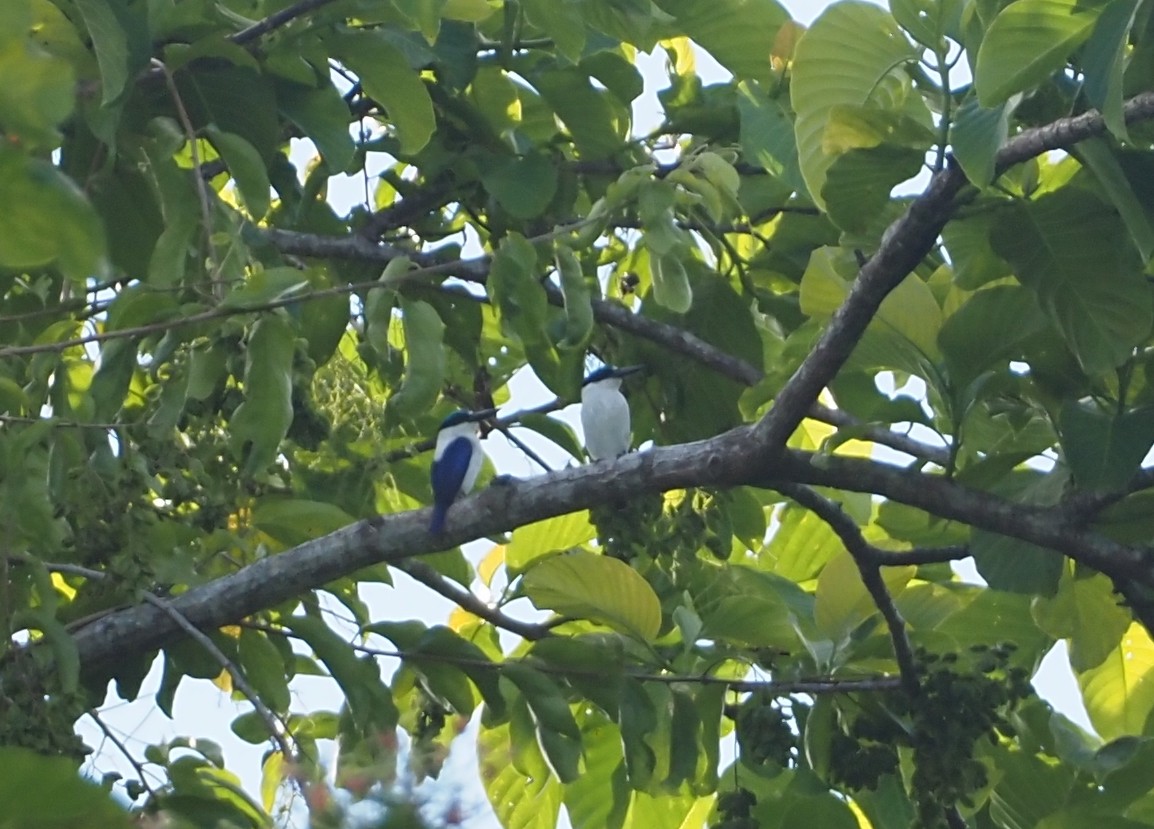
column 627, row 370
column 482, row 414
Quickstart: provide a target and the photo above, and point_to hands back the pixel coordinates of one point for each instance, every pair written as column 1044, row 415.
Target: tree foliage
column 216, row 393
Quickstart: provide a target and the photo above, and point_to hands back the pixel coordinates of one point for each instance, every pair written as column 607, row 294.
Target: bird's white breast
column 605, row 419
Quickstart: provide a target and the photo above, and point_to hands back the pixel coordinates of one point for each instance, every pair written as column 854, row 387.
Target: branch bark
column 744, row 455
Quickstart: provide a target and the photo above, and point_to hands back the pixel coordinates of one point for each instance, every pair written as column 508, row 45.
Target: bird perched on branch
column 456, row 461
column 605, row 413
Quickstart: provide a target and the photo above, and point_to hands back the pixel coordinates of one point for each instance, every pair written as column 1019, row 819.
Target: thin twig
column 469, row 601
column 272, row 722
column 137, row 766
column 276, row 20
column 524, row 447
column 784, row 687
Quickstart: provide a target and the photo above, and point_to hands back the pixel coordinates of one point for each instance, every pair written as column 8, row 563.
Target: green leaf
column 370, row 702
column 265, row 286
column 671, row 287
column 597, row 123
column 524, row 186
column 842, row 602
column 246, row 167
column 578, row 303
column 976, row 135
column 557, row 730
column 910, row 312
column 1087, row 614
column 974, row 261
column 858, row 184
column 46, row 219
column 928, row 21
column 1104, row 59
column 590, row 586
column 841, row 60
column 388, row 79
column 737, row 33
column 110, row 43
column 40, row 792
column 293, row 521
column 520, row 801
column 801, row 545
column 988, row 330
column 599, row 798
column 38, row 94
column 425, row 359
column 767, row 136
column 1015, row 566
column 1029, row 41
column 265, row 668
column 1104, row 448
column 260, row 423
column 1098, row 157
column 322, row 115
column 1053, row 243
column 563, row 22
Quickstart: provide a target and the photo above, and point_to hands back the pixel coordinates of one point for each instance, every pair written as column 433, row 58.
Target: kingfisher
column 604, row 412
column 456, row 461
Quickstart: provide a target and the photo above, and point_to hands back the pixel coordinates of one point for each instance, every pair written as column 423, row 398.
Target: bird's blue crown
column 607, row 372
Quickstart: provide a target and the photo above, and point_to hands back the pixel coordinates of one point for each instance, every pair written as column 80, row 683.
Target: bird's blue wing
column 449, row 470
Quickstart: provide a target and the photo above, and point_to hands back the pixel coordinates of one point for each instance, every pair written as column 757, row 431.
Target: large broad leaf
column 767, row 136
column 591, row 586
column 388, row 79
column 247, row 169
column 322, row 115
column 842, row 601
column 738, row 33
column 987, row 331
column 596, row 121
column 424, row 359
column 599, row 798
column 523, row 186
column 840, row 61
column 46, row 219
column 801, row 545
column 260, row 423
column 910, row 313
column 1104, row 448
column 533, row 541
column 39, row 93
column 1103, row 62
column 1072, row 251
column 1085, row 612
column 41, row 792
column 1028, row 41
column 1098, row 157
column 1119, row 693
column 520, row 801
column 293, row 521
column 976, row 135
column 1014, row 565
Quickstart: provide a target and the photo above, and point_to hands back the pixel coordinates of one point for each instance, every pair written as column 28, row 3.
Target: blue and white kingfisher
column 456, row 461
column 605, row 413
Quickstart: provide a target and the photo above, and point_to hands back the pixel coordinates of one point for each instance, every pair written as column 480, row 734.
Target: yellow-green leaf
column 590, row 586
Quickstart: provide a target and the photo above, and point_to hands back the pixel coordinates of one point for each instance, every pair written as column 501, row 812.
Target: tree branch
column 467, row 600
column 863, row 555
column 740, row 456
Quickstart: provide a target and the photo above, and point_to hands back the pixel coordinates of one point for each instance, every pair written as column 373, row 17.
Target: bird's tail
column 437, row 525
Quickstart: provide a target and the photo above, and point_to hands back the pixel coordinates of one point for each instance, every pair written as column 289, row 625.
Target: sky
column 201, row 710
